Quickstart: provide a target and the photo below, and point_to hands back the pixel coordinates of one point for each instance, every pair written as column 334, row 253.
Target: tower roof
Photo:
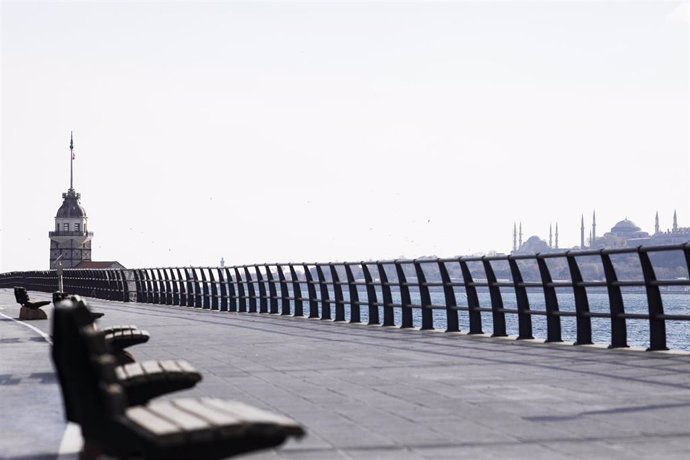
column 71, row 207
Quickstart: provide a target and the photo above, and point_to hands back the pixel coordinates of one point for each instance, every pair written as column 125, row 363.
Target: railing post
column 338, row 292
column 452, row 324
column 114, row 284
column 284, row 292
column 524, row 315
column 164, row 288
column 156, row 285
column 497, row 314
column 313, row 304
column 325, row 298
column 107, row 284
column 388, row 317
column 190, row 277
column 204, row 285
column 425, row 297
column 405, row 299
column 618, row 328
column 272, row 291
column 583, row 321
column 475, row 315
column 125, row 287
column 231, row 291
column 250, row 289
column 657, row 325
column 355, row 316
column 184, row 292
column 138, row 284
column 240, row 292
column 553, row 320
column 149, row 286
column 371, row 296
column 175, row 280
column 169, row 293
column 198, row 292
column 263, row 301
column 223, row 282
column 296, row 292
column 214, row 289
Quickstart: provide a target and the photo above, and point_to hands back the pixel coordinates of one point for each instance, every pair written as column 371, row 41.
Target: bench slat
column 153, row 370
column 196, row 428
column 133, row 370
column 228, row 424
column 153, row 423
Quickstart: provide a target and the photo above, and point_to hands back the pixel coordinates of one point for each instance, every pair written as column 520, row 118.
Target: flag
column 73, row 155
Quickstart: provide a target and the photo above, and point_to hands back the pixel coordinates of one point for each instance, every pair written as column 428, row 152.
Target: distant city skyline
column 261, row 132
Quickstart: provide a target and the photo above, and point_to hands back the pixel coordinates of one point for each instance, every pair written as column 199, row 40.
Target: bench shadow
column 615, row 410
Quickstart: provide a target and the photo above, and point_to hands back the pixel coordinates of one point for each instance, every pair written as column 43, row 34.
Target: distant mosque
column 533, row 244
column 70, row 243
column 624, row 234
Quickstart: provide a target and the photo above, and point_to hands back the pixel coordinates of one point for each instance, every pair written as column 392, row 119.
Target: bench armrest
column 118, row 340
column 145, row 380
column 118, row 328
column 36, row 305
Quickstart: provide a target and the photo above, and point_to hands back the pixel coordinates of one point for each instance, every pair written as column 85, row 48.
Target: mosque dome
column 71, row 208
column 534, row 244
column 625, row 226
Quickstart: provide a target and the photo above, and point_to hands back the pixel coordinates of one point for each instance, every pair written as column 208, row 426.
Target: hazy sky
column 288, row 131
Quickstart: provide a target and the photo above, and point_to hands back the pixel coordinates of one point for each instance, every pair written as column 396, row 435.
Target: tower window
column 57, row 227
column 76, row 227
column 65, row 227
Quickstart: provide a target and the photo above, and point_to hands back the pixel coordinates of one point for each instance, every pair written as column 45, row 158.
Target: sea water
column 677, row 332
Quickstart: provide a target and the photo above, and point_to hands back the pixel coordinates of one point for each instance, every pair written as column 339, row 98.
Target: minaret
column 71, row 239
column 675, row 221
column 594, row 227
column 582, row 232
column 520, row 240
column 656, row 223
column 556, row 235
column 550, row 237
column 514, row 236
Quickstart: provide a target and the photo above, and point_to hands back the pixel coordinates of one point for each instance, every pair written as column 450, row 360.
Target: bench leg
column 123, row 357
column 28, row 314
column 90, row 451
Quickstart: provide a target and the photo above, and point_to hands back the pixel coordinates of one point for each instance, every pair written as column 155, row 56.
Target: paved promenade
column 377, row 393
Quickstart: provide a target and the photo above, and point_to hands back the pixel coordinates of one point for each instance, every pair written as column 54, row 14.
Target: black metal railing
column 505, row 293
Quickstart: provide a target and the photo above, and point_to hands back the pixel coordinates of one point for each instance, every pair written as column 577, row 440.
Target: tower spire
column 520, row 241
column 550, row 236
column 556, row 235
column 675, row 221
column 71, row 161
column 594, row 226
column 656, row 222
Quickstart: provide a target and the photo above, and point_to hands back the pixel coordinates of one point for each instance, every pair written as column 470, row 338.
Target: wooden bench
column 118, row 337
column 30, row 310
column 141, row 381
column 187, row 428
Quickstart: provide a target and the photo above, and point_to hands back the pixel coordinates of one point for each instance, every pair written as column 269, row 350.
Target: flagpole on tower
column 71, row 161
